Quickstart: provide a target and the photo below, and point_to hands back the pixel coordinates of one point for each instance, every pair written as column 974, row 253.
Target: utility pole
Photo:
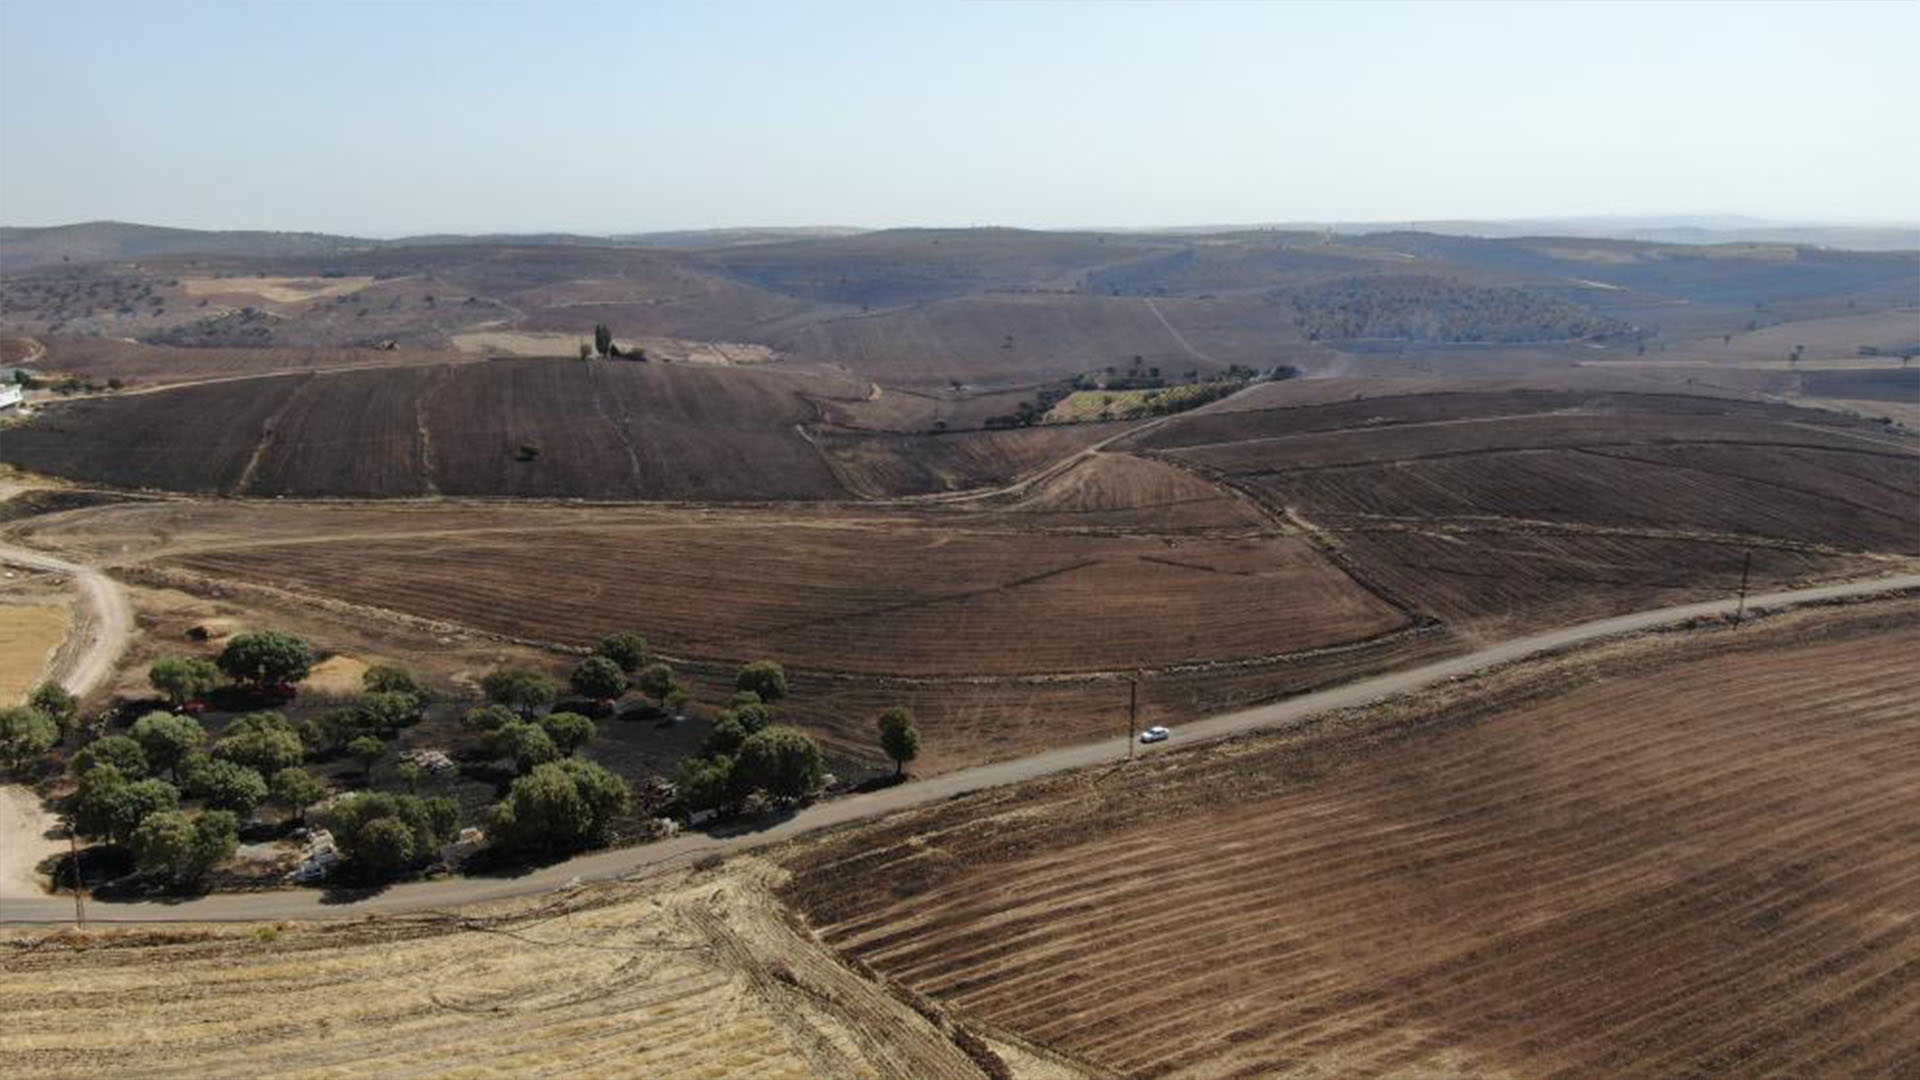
column 1133, row 714
column 1746, row 568
column 79, row 900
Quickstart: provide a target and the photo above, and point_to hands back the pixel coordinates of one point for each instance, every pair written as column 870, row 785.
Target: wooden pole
column 79, row 900
column 1133, row 714
column 1746, row 568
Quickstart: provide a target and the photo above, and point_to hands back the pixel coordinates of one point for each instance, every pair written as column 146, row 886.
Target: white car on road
column 1155, row 734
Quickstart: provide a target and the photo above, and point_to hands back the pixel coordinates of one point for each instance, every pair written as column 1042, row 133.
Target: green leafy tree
column 328, row 730
column 704, row 783
column 385, row 847
column 518, row 689
column 181, row 680
column 118, row 751
column 366, row 750
column 264, row 742
column 657, row 682
column 163, row 843
column 429, row 823
column 752, row 716
column 59, row 706
column 488, row 717
column 602, row 339
column 781, row 760
column 168, row 844
column 384, row 712
column 559, row 806
column 625, row 648
column 25, row 734
column 598, row 677
column 523, row 743
column 764, row 677
column 569, row 731
column 899, row 737
column 167, row 739
column 266, row 658
column 109, row 806
column 227, row 785
column 293, row 789
column 216, row 836
column 410, row 774
column 394, row 679
column 725, row 738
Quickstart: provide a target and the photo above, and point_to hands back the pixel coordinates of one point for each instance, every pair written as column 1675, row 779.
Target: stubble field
column 1688, row 860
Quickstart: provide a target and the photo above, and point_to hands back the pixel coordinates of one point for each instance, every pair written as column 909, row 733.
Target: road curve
column 102, row 620
column 655, row 858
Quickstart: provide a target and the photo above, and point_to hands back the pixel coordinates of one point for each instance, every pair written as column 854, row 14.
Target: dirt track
column 655, row 858
column 101, row 622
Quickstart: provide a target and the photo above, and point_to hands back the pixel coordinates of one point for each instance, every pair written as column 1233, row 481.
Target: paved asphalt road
column 655, row 858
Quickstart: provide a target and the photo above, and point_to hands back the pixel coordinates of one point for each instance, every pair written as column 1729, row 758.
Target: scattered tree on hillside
column 181, row 680
column 167, row 739
column 393, row 679
column 523, row 743
column 625, row 648
column 764, row 677
column 25, row 734
column 378, row 850
column 366, row 750
column 569, row 731
column 518, row 689
column 118, row 751
column 264, row 742
column 387, row 711
column 225, row 785
column 559, row 806
column 704, row 783
column 599, row 678
column 53, row 700
column 294, row 789
column 488, row 717
column 266, row 658
column 781, row 760
column 168, row 844
column 899, row 737
column 108, row 806
column 657, row 682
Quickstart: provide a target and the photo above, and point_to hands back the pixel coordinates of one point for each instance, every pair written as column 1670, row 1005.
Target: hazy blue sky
column 411, row 117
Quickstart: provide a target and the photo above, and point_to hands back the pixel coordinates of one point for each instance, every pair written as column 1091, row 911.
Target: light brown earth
column 30, row 634
column 700, row 975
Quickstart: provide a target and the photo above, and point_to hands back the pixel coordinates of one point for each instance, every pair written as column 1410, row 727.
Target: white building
column 10, row 396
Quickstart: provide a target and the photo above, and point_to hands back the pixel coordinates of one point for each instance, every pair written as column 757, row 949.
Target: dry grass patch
column 29, row 635
column 698, row 975
column 279, row 290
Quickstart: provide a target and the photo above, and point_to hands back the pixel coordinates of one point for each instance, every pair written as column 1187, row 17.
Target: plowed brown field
column 901, row 600
column 1697, row 861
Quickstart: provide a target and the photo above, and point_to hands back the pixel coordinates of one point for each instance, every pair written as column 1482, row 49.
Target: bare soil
column 1671, row 857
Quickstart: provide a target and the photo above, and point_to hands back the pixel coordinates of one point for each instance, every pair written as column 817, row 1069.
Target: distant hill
column 25, row 247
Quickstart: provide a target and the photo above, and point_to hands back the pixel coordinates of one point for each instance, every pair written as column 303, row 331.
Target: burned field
column 1217, row 558
column 1502, row 510
column 1660, row 859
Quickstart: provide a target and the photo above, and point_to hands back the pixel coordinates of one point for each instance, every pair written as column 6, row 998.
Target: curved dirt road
column 102, row 620
column 655, row 858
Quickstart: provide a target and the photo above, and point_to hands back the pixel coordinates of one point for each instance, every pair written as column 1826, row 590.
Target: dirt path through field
column 102, row 620
column 25, row 826
column 678, row 852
